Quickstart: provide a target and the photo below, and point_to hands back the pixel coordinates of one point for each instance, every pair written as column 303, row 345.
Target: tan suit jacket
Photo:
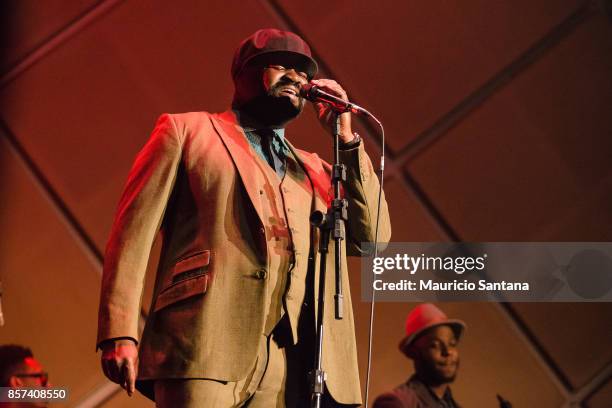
column 197, row 180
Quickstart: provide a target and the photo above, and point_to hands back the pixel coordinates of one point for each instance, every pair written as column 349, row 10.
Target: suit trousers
column 279, row 379
column 263, row 387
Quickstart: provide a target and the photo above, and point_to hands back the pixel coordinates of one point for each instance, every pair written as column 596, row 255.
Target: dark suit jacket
column 414, row 394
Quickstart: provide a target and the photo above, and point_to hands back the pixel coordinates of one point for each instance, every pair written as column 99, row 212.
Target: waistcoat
column 286, row 217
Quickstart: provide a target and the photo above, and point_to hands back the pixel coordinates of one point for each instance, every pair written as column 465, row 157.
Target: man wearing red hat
column 431, row 342
column 232, row 317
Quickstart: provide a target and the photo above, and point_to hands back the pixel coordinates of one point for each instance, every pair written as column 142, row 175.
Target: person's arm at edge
column 137, row 221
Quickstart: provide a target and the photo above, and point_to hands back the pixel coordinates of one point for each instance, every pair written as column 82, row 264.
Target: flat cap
column 270, row 45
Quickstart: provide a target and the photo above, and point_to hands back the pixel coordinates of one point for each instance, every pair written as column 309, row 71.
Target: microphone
column 314, row 94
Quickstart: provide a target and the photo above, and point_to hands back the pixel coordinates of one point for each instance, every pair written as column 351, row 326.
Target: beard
column 433, row 374
column 272, row 108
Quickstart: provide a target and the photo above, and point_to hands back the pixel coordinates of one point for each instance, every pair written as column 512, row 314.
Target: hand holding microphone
column 328, row 96
column 316, row 93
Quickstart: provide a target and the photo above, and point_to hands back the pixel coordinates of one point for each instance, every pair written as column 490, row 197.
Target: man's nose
column 293, row 75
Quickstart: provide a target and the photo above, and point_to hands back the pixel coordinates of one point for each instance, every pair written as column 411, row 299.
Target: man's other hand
column 120, row 363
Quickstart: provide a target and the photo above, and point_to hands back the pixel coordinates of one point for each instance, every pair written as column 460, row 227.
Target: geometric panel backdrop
column 498, row 128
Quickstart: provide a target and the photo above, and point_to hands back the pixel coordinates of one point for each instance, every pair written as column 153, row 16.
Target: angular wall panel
column 602, row 398
column 409, row 222
column 411, row 62
column 520, row 166
column 50, row 286
column 27, row 24
column 577, row 336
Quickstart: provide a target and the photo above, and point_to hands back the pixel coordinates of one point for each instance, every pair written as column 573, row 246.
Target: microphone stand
column 333, row 220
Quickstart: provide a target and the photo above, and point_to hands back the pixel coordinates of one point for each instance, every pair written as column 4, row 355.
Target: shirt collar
column 250, row 126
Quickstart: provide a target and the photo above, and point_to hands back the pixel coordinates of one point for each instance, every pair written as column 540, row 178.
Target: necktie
column 272, row 149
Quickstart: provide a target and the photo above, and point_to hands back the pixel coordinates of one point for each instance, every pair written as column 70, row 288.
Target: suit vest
column 286, row 220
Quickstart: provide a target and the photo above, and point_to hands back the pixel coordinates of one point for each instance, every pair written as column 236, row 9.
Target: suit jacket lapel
column 235, row 141
column 319, row 179
column 233, row 138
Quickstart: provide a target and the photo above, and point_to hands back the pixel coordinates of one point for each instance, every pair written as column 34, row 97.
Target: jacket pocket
column 189, row 277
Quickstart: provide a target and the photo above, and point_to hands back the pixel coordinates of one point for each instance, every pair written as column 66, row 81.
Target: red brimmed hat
column 270, row 45
column 426, row 316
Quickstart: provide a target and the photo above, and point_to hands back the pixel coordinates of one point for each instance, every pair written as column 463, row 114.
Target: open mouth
column 289, row 91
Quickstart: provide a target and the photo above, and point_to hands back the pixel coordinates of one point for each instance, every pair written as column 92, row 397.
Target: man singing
column 232, row 317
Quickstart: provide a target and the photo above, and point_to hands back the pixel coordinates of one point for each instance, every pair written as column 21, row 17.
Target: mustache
column 283, row 82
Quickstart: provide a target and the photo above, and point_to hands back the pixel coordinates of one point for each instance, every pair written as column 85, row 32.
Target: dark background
column 499, row 128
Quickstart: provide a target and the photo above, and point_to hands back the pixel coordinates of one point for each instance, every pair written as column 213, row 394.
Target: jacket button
column 262, row 230
column 261, row 274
